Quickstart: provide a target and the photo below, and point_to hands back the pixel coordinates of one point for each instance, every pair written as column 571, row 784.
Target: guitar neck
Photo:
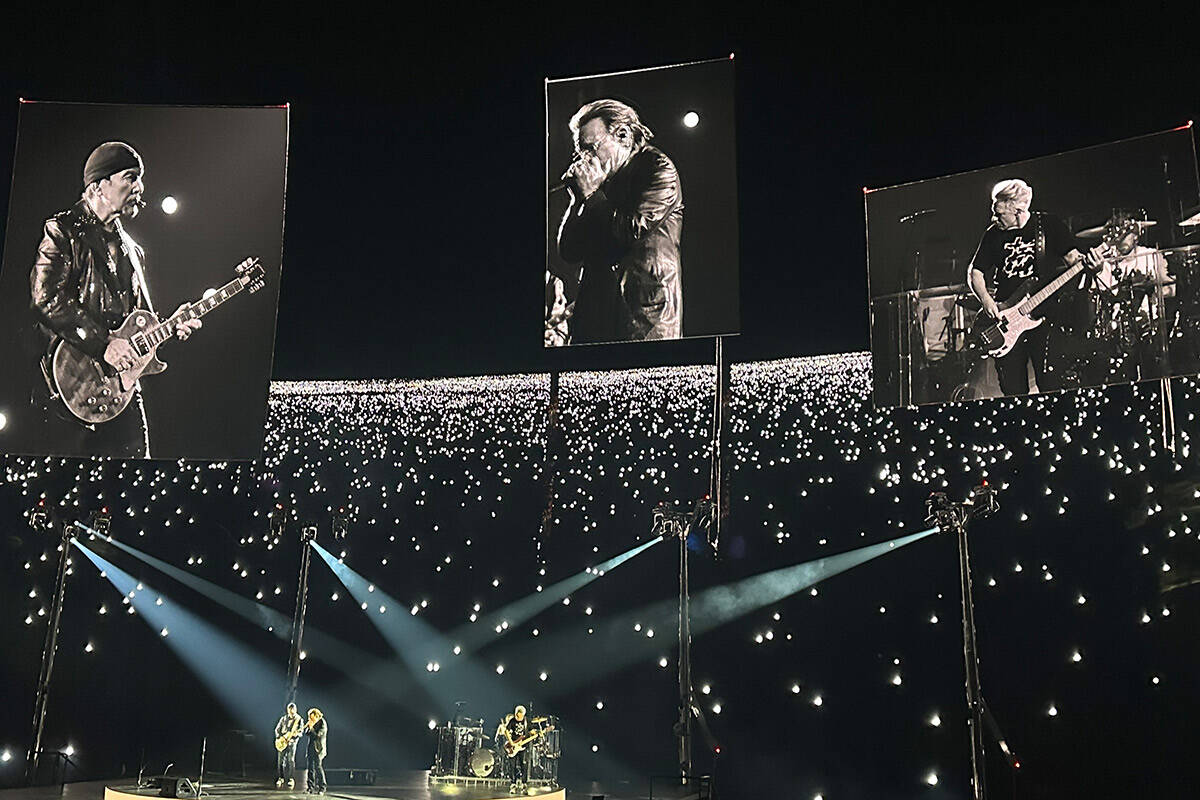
column 196, row 310
column 1053, row 286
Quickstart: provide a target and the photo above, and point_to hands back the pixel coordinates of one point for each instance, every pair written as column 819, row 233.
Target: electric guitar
column 283, row 742
column 94, row 391
column 511, row 748
column 1017, row 312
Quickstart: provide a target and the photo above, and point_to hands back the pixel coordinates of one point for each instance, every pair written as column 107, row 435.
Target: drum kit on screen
column 1138, row 319
column 466, row 754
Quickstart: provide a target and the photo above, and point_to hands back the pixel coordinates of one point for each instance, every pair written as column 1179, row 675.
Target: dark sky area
column 414, row 241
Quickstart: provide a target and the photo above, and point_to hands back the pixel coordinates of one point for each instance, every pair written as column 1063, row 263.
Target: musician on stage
column 513, row 728
column 1019, row 245
column 87, row 277
column 623, row 224
column 317, row 731
column 289, row 727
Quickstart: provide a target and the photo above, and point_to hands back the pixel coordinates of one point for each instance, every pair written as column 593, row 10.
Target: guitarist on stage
column 88, row 276
column 1018, row 246
column 512, row 730
column 287, row 732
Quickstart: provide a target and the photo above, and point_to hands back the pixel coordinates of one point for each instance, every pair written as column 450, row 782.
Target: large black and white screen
column 1074, row 270
column 641, row 212
column 140, row 236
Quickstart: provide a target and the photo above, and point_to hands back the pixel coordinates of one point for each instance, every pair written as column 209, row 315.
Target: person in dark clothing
column 624, row 225
column 1023, row 246
column 290, row 727
column 512, row 730
column 317, row 730
column 87, row 277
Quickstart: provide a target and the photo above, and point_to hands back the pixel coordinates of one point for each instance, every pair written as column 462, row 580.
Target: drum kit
column 465, row 754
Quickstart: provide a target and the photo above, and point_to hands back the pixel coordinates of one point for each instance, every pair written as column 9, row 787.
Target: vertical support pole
column 48, row 650
column 971, row 656
column 684, row 726
column 308, row 534
column 718, row 480
column 553, row 434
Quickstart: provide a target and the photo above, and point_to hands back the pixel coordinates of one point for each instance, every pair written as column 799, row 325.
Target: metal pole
column 971, row 656
column 685, row 663
column 48, row 651
column 718, row 485
column 308, row 534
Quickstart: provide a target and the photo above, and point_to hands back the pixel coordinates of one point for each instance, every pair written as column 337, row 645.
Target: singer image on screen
column 88, row 276
column 623, row 224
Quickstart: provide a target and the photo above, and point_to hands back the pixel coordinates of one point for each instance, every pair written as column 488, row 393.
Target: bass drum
column 483, row 762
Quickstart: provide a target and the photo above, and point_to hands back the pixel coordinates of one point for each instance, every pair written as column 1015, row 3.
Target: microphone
column 140, row 203
column 915, row 214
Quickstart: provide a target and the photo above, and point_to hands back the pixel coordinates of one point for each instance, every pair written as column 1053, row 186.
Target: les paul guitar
column 95, row 392
column 1017, row 314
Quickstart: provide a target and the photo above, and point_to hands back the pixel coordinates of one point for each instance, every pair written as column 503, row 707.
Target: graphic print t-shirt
column 1007, row 258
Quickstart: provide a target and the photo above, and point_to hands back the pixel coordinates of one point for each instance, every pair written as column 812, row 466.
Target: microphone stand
column 951, row 517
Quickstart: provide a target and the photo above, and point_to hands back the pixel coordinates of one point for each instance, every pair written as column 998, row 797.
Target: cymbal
column 539, row 719
column 1092, row 233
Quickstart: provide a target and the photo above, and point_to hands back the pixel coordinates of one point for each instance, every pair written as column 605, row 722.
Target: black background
column 226, row 169
column 706, row 158
column 413, row 140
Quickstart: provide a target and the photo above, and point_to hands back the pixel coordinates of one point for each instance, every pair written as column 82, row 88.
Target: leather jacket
column 82, row 284
column 627, row 235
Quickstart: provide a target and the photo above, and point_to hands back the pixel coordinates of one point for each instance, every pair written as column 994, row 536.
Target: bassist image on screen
column 89, row 292
column 1033, row 262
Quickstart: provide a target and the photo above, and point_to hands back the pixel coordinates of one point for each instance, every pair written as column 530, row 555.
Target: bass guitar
column 94, row 391
column 1017, row 314
column 511, row 747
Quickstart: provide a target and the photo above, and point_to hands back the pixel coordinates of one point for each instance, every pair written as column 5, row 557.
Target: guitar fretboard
column 158, row 335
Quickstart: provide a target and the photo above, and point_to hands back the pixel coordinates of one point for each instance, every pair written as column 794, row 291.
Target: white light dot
column 170, row 205
column 931, row 779
column 432, row 724
column 691, row 119
column 3, row 422
column 1052, row 711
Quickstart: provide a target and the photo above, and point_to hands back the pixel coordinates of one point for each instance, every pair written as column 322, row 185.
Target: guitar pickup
column 140, row 344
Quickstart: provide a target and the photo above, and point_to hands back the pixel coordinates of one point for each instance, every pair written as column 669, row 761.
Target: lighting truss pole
column 718, row 480
column 668, row 523
column 308, row 535
column 951, row 517
column 48, row 649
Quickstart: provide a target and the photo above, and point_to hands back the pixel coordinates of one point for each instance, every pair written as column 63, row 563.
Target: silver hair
column 1014, row 190
column 613, row 113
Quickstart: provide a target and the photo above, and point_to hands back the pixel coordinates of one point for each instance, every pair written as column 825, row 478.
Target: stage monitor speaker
column 175, row 787
column 350, row 777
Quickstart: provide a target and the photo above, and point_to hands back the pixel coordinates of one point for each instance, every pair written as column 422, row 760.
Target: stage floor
column 413, row 785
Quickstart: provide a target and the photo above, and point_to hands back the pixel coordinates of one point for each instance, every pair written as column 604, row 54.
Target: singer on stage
column 87, row 277
column 623, row 225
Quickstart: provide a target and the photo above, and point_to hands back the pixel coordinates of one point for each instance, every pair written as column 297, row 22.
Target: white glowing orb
column 170, row 205
column 691, row 119
column 3, row 420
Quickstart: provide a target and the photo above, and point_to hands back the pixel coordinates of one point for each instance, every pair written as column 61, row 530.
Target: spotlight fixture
column 39, row 516
column 100, row 522
column 278, row 521
column 308, row 532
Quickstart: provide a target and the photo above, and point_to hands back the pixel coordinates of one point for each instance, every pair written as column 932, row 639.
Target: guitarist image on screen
column 87, row 278
column 1028, row 256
